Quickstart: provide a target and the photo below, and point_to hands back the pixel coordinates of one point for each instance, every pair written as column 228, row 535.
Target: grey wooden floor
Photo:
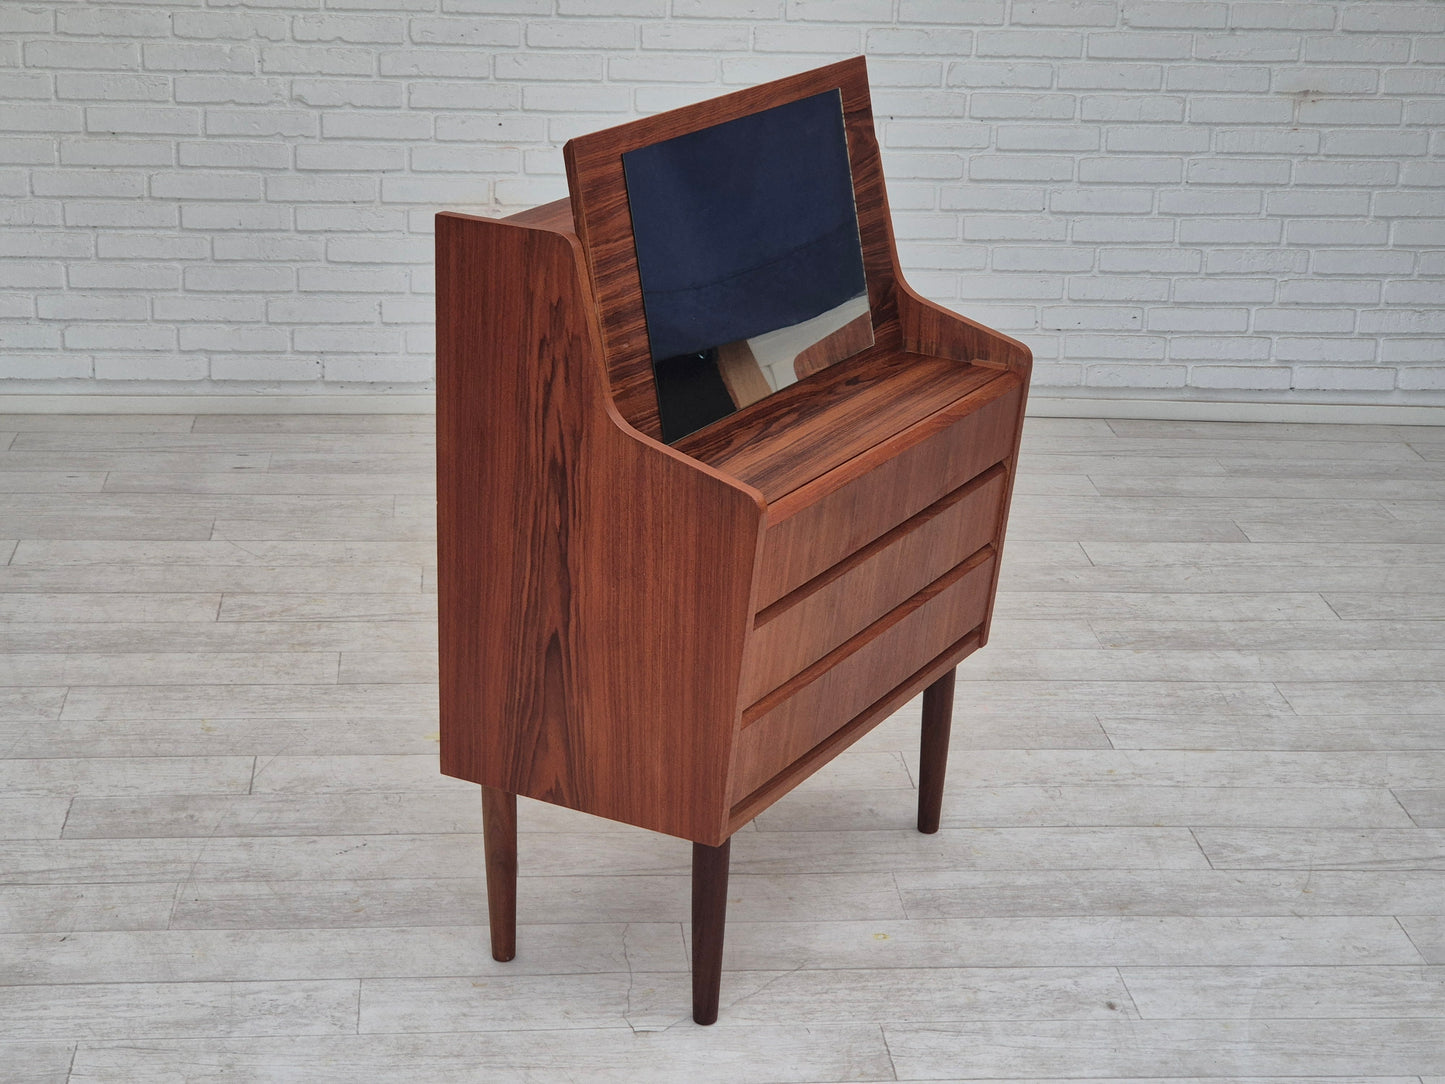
column 1195, row 825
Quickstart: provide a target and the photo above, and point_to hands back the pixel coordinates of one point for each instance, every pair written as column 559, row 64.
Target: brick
column 1137, row 230
column 1014, row 106
column 1232, row 348
column 1094, row 75
column 985, row 198
column 1313, row 80
column 904, row 73
column 1331, row 232
column 29, row 336
column 1001, row 167
column 372, row 369
column 868, row 11
column 694, row 37
column 307, row 310
column 1258, row 141
column 1063, row 44
column 1424, row 292
column 1212, row 201
column 209, row 57
column 1252, row 46
column 1115, row 347
column 1282, row 15
column 119, row 337
column 1300, row 321
column 235, row 154
column 122, row 368
column 1287, row 348
column 32, row 117
column 1339, row 204
column 1329, row 292
column 656, row 67
column 150, row 246
column 254, row 367
column 1156, row 139
column 935, row 134
column 351, row 157
column 375, row 124
column 318, row 60
column 112, row 86
column 1150, row 171
column 1374, row 144
column 1090, row 317
column 227, row 338
column 1343, row 378
column 965, row 12
column 1097, row 201
column 360, row 29
column 551, row 67
column 346, row 340
column 1041, row 258
column 121, row 214
column 1240, row 377
column 1047, row 137
column 1175, row 14
column 563, row 34
column 893, row 40
column 362, row 93
column 15, row 19
column 1133, row 45
column 1393, row 18
column 117, row 56
column 44, row 367
column 34, row 85
column 1131, row 107
column 1229, row 231
column 1236, row 291
column 1337, row 112
column 1240, row 110
column 319, row 188
column 1065, row 13
column 229, row 90
column 1233, row 78
column 261, row 122
column 1362, row 263
column 1136, row 376
column 230, row 310
column 88, row 182
column 1118, row 288
column 235, row 216
column 239, row 279
column 727, row 9
column 1355, row 49
column 244, row 26
column 267, row 247
column 472, row 96
column 1268, row 172
column 113, row 22
column 1348, row 174
column 126, row 275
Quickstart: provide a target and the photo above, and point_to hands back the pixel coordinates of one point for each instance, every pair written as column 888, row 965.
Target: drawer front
column 840, row 513
column 803, row 627
column 788, row 723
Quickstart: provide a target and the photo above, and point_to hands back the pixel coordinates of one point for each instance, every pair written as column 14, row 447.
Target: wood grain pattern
column 709, row 922
column 499, row 839
column 933, row 750
column 788, row 722
column 814, row 527
column 557, row 523
column 809, row 622
column 604, row 223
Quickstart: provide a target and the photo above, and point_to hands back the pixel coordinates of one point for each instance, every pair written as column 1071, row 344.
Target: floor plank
column 1194, row 828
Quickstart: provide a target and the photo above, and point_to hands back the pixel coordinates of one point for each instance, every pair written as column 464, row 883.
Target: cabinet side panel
column 594, row 587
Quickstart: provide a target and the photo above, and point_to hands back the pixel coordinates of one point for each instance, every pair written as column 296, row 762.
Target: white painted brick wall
column 1194, row 198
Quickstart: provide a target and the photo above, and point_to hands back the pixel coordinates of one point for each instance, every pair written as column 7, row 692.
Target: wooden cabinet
column 674, row 636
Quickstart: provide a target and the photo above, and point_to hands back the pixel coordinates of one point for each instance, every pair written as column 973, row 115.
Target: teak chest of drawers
column 674, row 636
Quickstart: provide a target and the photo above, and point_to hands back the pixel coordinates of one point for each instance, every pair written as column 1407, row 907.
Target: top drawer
column 815, row 527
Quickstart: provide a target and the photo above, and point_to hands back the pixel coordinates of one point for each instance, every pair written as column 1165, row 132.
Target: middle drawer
column 802, row 627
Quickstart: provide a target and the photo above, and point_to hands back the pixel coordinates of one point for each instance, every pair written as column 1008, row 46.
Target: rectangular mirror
column 748, row 252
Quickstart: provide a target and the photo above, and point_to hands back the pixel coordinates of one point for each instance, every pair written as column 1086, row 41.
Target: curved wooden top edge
column 738, row 103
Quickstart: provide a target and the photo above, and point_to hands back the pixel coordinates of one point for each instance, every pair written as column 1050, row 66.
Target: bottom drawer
column 784, row 725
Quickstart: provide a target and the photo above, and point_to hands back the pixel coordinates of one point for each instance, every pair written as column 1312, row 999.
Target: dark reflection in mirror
column 748, row 252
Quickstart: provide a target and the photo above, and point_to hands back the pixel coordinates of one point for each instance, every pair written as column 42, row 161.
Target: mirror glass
column 748, row 251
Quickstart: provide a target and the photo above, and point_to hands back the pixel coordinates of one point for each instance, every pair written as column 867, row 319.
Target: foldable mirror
column 749, row 258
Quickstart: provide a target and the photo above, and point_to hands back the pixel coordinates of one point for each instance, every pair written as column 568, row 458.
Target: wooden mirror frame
column 603, row 219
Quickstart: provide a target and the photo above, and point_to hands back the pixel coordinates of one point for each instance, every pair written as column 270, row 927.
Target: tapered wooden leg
column 709, row 918
column 499, row 834
column 933, row 750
